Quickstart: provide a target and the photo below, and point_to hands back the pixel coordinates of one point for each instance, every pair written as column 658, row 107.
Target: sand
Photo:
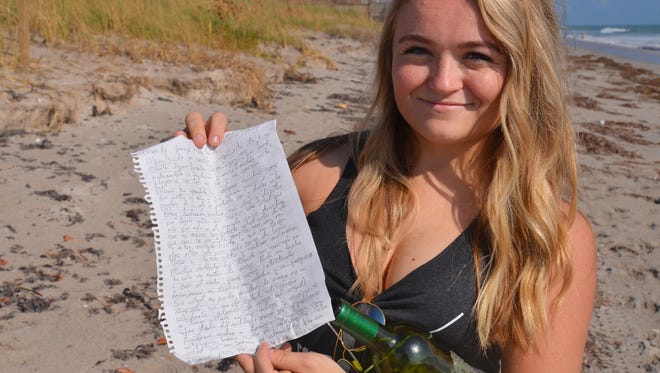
column 77, row 261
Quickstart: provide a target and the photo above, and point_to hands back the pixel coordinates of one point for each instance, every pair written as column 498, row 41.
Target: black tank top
column 437, row 297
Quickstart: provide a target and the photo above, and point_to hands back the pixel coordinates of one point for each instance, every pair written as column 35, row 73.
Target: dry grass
column 180, row 31
column 202, row 34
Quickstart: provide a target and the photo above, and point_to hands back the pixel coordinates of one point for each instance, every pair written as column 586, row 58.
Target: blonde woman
column 456, row 213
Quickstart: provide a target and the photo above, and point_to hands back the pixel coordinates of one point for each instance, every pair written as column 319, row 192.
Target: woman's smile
column 445, row 106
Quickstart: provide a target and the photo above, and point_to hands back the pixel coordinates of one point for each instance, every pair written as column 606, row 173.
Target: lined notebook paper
column 236, row 261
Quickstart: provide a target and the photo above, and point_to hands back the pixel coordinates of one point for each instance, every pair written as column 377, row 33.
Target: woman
column 461, row 201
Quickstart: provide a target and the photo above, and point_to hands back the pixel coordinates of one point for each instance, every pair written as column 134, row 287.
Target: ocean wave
column 613, row 30
column 651, row 43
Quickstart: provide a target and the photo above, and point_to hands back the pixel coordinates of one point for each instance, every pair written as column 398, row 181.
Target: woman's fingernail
column 215, row 140
column 199, row 139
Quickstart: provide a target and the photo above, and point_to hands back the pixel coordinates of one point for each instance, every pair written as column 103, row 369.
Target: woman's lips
column 445, row 106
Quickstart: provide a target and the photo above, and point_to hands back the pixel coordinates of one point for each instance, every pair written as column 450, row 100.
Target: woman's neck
column 448, row 165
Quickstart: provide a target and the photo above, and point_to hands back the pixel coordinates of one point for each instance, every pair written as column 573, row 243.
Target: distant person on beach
column 455, row 212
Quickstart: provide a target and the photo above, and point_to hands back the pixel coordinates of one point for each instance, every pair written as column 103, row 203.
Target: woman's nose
column 445, row 75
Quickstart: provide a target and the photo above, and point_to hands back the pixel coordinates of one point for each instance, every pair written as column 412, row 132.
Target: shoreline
column 78, row 268
column 630, row 54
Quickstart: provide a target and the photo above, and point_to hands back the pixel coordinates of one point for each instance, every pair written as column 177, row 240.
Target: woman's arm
column 561, row 347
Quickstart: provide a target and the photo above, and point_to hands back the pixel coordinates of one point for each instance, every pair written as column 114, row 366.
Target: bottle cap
column 351, row 320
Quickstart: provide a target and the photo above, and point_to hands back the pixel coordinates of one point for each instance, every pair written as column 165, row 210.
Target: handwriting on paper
column 236, row 261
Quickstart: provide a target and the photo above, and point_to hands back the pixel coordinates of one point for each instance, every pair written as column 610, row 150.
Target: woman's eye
column 416, row 50
column 476, row 56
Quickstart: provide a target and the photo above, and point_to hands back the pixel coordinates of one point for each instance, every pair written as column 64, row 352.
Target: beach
column 77, row 262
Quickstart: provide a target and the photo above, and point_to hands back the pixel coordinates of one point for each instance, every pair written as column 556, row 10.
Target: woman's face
column 448, row 71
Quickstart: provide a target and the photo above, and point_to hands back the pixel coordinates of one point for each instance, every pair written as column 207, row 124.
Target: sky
column 612, row 12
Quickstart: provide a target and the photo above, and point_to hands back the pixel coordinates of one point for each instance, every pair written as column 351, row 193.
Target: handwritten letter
column 236, row 261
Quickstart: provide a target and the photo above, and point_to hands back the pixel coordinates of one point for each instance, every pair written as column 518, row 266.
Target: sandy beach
column 77, row 261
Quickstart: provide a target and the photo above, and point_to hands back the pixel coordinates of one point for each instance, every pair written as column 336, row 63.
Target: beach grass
column 178, row 30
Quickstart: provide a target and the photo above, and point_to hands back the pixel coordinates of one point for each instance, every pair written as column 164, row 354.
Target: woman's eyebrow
column 468, row 44
column 413, row 37
column 482, row 44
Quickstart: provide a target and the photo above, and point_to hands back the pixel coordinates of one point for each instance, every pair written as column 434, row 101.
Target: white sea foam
column 645, row 37
column 613, row 30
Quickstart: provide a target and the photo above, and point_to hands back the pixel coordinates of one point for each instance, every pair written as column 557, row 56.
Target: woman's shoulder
column 318, row 166
column 584, row 243
column 581, row 233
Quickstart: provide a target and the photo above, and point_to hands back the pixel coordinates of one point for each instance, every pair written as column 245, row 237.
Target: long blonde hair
column 526, row 171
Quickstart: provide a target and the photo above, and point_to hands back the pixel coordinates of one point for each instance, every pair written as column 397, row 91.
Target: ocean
column 637, row 42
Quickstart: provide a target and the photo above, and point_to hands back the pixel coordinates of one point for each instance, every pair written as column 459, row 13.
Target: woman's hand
column 202, row 132
column 267, row 360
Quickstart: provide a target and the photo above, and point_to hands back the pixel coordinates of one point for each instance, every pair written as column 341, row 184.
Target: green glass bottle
column 397, row 349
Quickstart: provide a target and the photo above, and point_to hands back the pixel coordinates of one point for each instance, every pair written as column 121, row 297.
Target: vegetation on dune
column 178, row 30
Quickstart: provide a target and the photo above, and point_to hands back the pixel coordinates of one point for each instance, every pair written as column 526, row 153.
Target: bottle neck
column 363, row 328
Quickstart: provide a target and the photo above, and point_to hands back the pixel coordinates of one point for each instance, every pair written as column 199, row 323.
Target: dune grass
column 178, row 30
